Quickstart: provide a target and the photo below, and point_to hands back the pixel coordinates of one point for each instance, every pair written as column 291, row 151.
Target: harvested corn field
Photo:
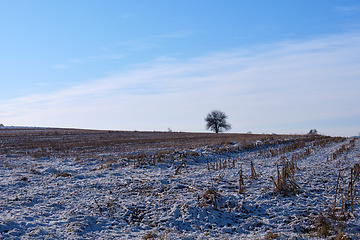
column 86, row 184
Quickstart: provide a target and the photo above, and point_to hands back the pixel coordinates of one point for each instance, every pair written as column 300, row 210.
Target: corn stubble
column 286, row 151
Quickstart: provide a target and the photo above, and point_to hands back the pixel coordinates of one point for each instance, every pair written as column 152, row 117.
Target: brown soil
column 22, row 141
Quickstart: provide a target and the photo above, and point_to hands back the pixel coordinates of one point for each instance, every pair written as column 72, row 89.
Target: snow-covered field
column 184, row 193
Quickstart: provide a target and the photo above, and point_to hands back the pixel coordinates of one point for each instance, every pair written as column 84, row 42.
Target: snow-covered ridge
column 20, row 127
column 174, row 193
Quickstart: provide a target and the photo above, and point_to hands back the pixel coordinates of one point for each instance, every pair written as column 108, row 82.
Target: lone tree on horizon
column 216, row 121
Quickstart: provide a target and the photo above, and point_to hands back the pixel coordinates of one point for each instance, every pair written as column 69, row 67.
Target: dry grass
column 253, row 174
column 342, row 236
column 285, row 183
column 241, row 181
column 62, row 174
column 182, row 165
column 270, row 235
column 209, row 197
column 149, row 235
column 323, row 226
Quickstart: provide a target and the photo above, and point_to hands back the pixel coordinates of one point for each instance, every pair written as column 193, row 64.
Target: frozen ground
column 183, row 194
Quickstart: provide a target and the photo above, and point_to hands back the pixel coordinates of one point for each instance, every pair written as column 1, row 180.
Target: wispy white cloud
column 94, row 58
column 352, row 9
column 275, row 88
column 60, row 66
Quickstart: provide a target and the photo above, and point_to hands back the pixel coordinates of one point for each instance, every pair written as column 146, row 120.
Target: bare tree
column 216, row 121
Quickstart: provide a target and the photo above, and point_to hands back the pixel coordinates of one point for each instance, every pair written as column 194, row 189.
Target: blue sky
column 272, row 66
